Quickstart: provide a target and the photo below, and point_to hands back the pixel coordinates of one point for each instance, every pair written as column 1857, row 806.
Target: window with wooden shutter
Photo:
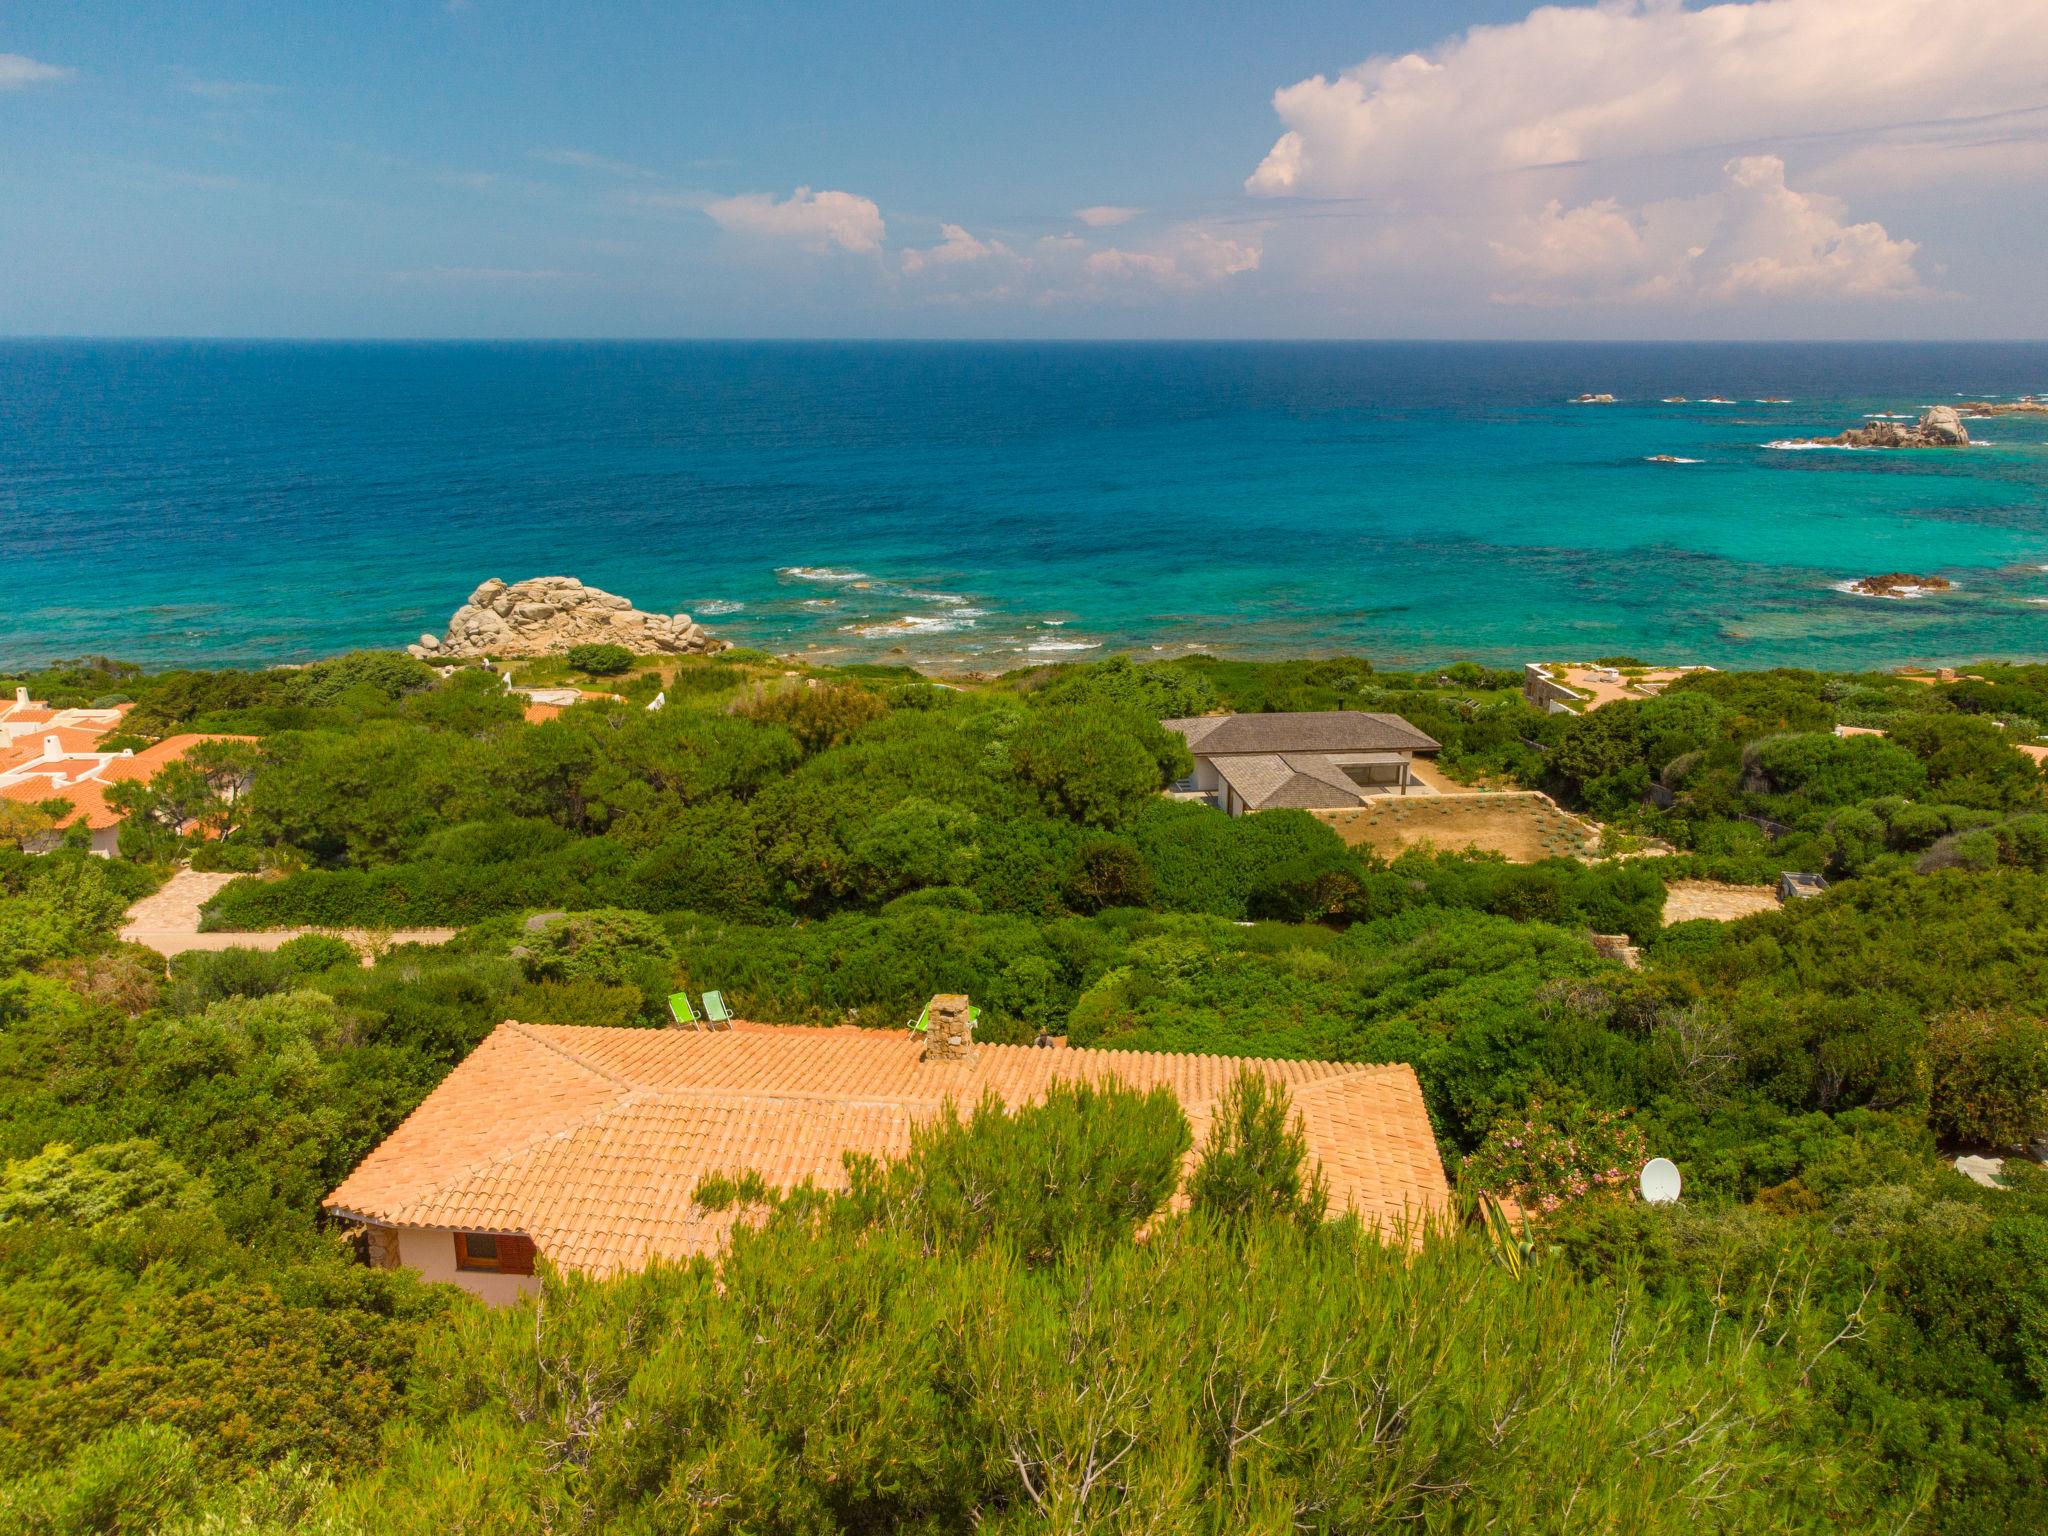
column 515, row 1255
column 494, row 1253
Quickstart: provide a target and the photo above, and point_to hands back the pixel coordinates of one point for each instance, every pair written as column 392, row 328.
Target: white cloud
column 1635, row 151
column 1191, row 257
column 1104, row 215
column 1068, row 268
column 1753, row 238
column 955, row 247
column 1635, row 78
column 815, row 220
column 17, row 70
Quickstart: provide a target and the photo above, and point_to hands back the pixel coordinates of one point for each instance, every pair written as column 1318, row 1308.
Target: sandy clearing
column 167, row 921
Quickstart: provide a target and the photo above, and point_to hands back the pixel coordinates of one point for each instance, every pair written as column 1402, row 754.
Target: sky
column 896, row 168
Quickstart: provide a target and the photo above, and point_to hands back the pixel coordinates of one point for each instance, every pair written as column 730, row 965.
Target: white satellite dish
column 1659, row 1182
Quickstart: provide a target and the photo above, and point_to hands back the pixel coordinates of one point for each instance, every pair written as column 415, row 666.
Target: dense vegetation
column 1834, row 1331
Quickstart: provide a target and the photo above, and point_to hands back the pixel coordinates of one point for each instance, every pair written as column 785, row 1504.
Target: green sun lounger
column 714, row 1010
column 679, row 1008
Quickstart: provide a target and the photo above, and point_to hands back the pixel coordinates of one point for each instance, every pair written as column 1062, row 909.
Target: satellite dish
column 1659, row 1182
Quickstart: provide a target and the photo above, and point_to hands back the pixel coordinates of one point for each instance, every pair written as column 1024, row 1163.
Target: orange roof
column 540, row 714
column 144, row 764
column 2038, row 753
column 88, row 800
column 592, row 1141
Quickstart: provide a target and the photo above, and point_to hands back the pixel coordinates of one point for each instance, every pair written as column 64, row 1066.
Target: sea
column 980, row 507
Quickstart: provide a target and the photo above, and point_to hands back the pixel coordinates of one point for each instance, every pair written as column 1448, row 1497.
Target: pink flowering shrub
column 1555, row 1151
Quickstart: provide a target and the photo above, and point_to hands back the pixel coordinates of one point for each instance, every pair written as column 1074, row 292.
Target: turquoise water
column 984, row 505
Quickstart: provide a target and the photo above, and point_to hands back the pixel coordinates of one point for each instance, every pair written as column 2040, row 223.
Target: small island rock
column 1939, row 426
column 545, row 615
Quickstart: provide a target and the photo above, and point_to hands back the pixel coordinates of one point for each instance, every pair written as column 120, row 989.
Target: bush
column 1989, row 1074
column 1557, row 1151
column 601, row 659
column 1254, row 1165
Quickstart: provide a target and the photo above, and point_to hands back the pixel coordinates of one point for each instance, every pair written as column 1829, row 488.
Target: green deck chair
column 714, row 1010
column 679, row 1009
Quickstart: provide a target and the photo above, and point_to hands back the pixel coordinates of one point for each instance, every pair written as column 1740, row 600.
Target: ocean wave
column 951, row 599
column 719, row 605
column 1668, row 458
column 917, row 624
column 1793, row 445
column 1899, row 594
column 1064, row 645
column 820, row 573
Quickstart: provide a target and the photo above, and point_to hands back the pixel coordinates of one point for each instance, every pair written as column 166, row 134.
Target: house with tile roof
column 1311, row 760
column 587, row 1144
column 49, row 755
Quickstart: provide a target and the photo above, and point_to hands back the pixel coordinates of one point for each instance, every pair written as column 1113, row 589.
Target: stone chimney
column 949, row 1032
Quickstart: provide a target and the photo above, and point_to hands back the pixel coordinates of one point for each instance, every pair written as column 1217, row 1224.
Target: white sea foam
column 953, row 599
column 1669, row 458
column 918, row 624
column 1793, row 445
column 718, row 605
column 1064, row 645
column 820, row 573
column 1898, row 594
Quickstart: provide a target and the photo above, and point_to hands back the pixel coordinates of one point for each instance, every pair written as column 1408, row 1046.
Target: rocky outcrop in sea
column 545, row 615
column 2025, row 405
column 1939, row 426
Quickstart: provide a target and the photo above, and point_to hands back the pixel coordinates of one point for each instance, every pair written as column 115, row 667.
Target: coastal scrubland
column 1835, row 1330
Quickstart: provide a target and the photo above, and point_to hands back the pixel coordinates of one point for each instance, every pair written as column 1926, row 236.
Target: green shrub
column 601, row 659
column 1556, row 1151
column 1990, row 1077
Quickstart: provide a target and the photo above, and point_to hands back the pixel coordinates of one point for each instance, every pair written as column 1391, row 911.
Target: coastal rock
column 1897, row 584
column 1594, row 400
column 1939, row 426
column 545, row 615
column 2025, row 405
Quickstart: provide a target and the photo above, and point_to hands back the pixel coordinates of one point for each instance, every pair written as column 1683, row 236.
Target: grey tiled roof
column 1339, row 730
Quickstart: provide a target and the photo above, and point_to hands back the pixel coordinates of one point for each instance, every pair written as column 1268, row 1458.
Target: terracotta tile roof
column 592, row 1141
column 145, row 763
column 88, row 800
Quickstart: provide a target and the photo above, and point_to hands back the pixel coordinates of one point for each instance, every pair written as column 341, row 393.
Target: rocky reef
column 1896, row 584
column 2025, row 405
column 545, row 615
column 1939, row 426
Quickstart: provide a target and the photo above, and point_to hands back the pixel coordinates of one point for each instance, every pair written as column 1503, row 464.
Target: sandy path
column 168, row 922
column 1689, row 899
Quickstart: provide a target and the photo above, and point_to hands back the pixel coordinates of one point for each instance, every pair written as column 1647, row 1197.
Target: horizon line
column 75, row 338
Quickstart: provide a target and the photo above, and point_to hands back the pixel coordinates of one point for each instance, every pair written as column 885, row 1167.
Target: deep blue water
column 978, row 504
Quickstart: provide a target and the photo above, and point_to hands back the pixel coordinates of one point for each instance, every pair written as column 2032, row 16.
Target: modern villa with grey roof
column 1312, row 761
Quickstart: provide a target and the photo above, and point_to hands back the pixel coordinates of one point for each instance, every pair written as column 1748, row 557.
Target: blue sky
column 500, row 168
